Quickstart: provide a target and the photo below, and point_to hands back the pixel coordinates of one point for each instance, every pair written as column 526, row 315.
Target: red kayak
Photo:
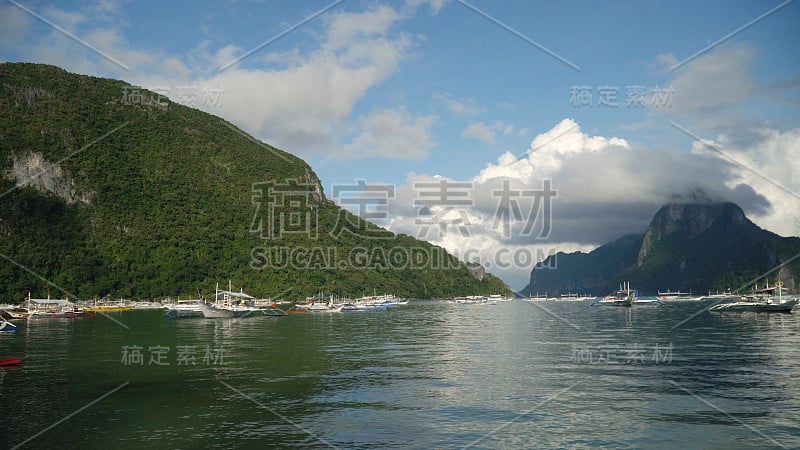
column 10, row 362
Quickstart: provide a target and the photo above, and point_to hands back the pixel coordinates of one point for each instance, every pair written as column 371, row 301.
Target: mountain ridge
column 150, row 198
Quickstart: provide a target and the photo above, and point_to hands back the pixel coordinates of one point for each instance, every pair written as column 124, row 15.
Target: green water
column 426, row 375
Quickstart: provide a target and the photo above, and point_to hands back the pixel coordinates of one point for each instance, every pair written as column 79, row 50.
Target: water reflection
column 425, row 375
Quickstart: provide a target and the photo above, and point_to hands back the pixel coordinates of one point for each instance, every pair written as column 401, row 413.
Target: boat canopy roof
column 230, row 294
column 48, row 301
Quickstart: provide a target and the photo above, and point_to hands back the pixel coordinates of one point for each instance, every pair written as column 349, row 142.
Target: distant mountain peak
column 687, row 220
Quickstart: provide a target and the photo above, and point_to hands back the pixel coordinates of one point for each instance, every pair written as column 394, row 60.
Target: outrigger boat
column 574, row 297
column 183, row 309
column 537, row 298
column 109, row 306
column 767, row 299
column 473, row 300
column 674, row 296
column 54, row 308
column 228, row 304
column 623, row 297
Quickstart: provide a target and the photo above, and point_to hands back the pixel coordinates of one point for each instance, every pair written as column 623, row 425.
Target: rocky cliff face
column 685, row 222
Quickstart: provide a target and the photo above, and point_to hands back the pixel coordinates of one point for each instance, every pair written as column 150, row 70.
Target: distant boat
column 10, row 362
column 673, row 296
column 146, row 305
column 39, row 308
column 183, row 309
column 229, row 304
column 16, row 313
column 623, row 297
column 109, row 306
column 537, row 298
column 726, row 294
column 574, row 297
column 473, row 300
column 767, row 299
column 319, row 307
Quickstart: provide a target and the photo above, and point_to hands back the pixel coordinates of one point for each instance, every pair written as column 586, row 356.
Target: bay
column 425, row 375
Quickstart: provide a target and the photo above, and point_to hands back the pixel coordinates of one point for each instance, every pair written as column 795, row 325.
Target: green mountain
column 583, row 273
column 697, row 247
column 109, row 189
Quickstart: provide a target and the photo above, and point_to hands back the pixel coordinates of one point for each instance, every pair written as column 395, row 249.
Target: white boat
column 319, row 307
column 146, row 305
column 767, row 299
column 623, row 297
column 212, row 312
column 574, row 297
column 185, row 308
column 473, row 300
column 385, row 300
column 718, row 295
column 670, row 296
column 229, row 304
column 39, row 308
column 537, row 298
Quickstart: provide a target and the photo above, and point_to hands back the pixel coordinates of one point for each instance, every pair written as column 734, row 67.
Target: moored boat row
column 767, row 299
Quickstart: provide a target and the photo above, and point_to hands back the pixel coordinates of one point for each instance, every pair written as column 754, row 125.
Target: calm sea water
column 426, row 375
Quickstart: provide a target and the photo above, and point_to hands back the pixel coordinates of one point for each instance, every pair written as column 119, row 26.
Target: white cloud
column 435, row 5
column 709, row 90
column 486, row 133
column 346, row 28
column 304, row 106
column 462, row 107
column 769, row 161
column 392, row 133
column 479, row 131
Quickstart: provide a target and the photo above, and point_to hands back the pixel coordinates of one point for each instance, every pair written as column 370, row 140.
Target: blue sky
column 397, row 92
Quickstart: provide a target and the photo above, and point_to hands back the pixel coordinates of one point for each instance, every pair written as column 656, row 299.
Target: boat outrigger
column 6, row 326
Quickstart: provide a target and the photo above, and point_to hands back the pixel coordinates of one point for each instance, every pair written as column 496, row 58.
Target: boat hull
column 8, row 327
column 210, row 312
column 10, row 362
column 183, row 313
